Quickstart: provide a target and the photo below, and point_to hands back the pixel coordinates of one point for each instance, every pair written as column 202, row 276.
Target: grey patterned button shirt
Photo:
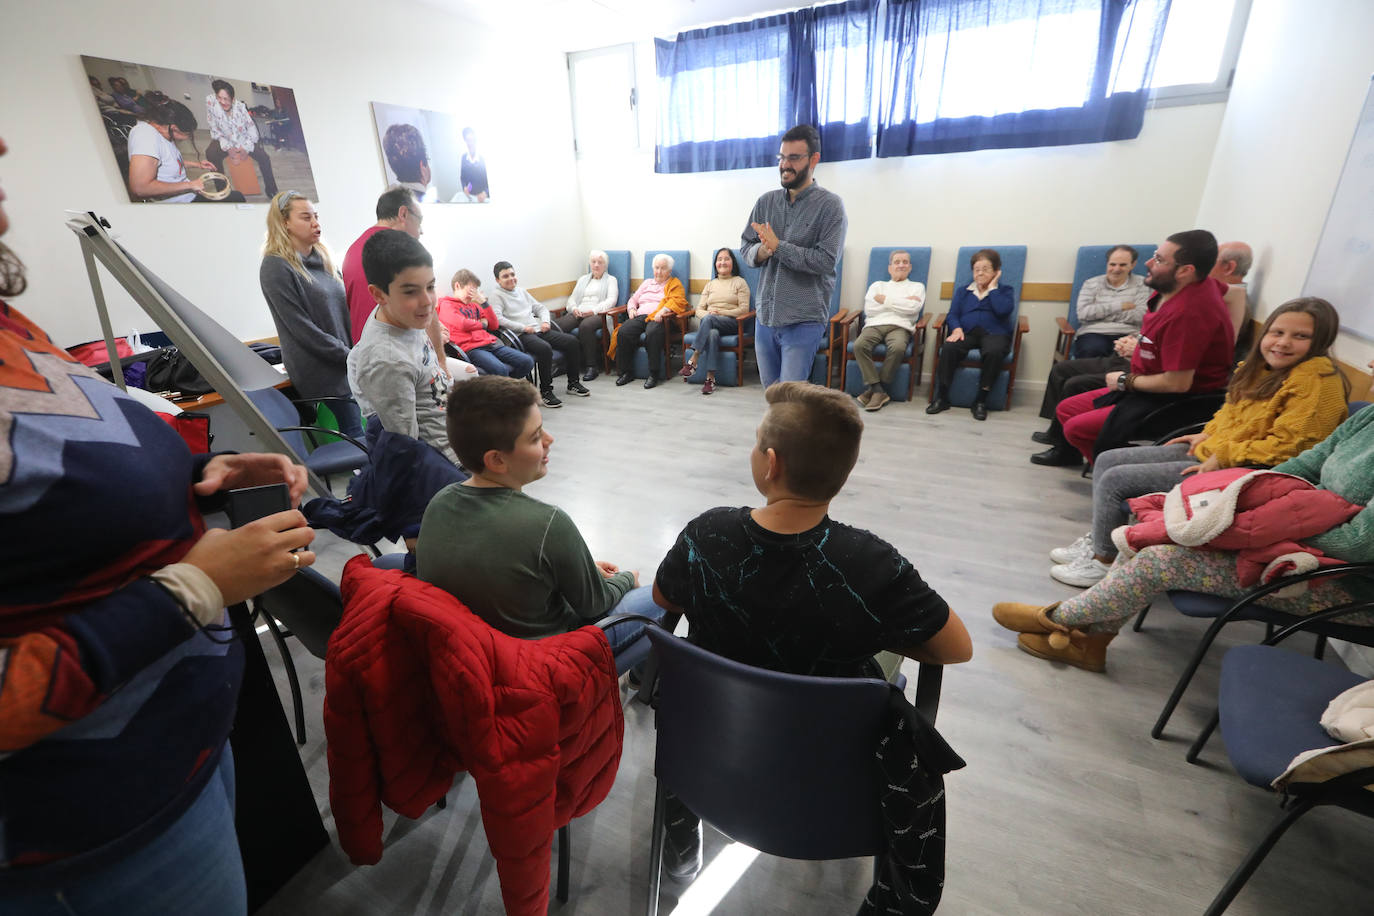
column 800, row 276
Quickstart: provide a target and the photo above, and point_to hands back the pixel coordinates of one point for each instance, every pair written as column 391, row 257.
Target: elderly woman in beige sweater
column 724, row 299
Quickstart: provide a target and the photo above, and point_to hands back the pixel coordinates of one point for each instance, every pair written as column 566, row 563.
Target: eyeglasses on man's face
column 792, row 158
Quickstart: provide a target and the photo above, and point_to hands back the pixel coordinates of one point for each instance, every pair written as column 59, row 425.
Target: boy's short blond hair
column 465, row 277
column 815, row 431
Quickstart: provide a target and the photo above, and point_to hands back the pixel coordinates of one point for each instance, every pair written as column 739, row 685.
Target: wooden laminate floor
column 1066, row 807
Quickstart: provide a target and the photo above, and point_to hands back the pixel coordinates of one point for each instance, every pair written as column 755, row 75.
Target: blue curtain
column 959, row 75
column 726, row 94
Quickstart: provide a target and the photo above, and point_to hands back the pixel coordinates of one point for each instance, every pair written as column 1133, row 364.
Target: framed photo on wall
column 432, row 153
column 186, row 137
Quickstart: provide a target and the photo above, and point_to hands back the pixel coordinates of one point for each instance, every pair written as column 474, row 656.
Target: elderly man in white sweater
column 891, row 309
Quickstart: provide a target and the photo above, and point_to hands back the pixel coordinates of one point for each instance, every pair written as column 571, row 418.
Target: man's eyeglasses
column 793, row 158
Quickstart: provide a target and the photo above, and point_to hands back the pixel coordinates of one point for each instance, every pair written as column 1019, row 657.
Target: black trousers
column 1075, row 376
column 586, row 335
column 1087, row 346
column 627, row 342
column 992, row 347
column 541, row 347
column 215, row 154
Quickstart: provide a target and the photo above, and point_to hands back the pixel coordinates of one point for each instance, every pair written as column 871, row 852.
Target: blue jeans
column 707, row 343
column 497, row 359
column 348, row 415
column 192, row 869
column 785, row 353
column 624, row 636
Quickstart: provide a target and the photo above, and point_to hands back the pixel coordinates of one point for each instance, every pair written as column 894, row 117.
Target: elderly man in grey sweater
column 529, row 320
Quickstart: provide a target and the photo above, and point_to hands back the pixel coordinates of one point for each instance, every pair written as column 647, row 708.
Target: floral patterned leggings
column 1132, row 584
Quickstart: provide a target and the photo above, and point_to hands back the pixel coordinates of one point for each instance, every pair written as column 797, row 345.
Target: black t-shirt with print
column 821, row 602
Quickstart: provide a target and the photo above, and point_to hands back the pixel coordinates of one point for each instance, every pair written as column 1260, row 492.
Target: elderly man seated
column 1110, row 305
column 891, row 309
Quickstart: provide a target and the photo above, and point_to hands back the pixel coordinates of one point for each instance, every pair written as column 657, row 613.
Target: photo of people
column 432, row 153
column 181, row 137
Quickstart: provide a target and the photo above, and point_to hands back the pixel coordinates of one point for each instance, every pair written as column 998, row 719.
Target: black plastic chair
column 727, row 730
column 310, row 607
column 1271, row 702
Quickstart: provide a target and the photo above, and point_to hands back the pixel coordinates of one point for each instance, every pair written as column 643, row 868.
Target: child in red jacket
column 470, row 322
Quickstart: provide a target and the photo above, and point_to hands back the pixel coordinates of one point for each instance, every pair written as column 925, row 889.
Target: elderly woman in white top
column 595, row 294
column 233, row 135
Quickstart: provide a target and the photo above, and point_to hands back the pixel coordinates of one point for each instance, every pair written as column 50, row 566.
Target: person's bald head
column 1233, row 262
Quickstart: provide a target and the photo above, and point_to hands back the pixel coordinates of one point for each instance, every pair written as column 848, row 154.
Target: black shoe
column 939, row 405
column 1044, row 437
column 1058, row 456
column 624, row 379
column 550, row 399
column 576, row 389
column 590, row 374
column 650, row 382
column 979, row 410
column 682, row 855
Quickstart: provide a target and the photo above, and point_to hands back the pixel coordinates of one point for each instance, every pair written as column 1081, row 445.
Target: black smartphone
column 252, row 503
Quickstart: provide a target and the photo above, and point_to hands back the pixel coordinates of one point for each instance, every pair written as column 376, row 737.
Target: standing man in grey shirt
column 795, row 235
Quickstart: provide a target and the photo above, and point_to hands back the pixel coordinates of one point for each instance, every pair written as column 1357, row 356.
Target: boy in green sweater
column 519, row 564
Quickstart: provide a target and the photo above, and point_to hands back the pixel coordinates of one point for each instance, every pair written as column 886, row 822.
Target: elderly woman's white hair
column 663, row 256
column 597, row 253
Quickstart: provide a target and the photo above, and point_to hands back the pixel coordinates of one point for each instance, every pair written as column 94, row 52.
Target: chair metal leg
column 291, row 678
column 564, row 864
column 1194, row 663
column 1252, row 861
column 442, row 803
column 1319, row 652
column 656, row 852
column 1204, row 736
column 1140, row 618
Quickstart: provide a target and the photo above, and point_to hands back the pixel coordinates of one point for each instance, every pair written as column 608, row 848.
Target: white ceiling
column 571, row 25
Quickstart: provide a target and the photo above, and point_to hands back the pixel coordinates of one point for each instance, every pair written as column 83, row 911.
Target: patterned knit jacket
column 113, row 707
column 1305, row 410
column 417, row 688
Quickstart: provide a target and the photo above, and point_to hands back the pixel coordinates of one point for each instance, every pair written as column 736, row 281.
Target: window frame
column 625, row 50
column 1219, row 89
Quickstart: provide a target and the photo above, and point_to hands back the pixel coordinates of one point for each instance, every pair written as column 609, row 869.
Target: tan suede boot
column 1025, row 618
column 1082, row 650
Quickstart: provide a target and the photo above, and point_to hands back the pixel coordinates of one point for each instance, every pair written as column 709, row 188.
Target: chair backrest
column 682, row 265
column 751, row 275
column 309, row 605
column 1013, row 269
column 1092, row 262
column 281, row 413
column 618, row 266
column 839, row 284
column 780, row 762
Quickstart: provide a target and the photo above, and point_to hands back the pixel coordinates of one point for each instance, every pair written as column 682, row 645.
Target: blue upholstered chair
column 825, row 367
column 1091, row 262
column 903, row 387
column 965, row 385
column 1271, row 703
column 682, row 269
column 732, row 346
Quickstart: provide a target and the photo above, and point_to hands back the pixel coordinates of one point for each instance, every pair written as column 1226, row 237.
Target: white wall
column 1053, row 199
column 1300, row 83
column 348, row 53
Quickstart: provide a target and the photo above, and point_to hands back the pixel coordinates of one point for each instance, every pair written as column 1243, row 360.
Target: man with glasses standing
column 795, row 235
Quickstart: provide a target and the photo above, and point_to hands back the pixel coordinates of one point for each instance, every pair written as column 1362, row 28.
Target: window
column 1201, row 43
column 604, row 99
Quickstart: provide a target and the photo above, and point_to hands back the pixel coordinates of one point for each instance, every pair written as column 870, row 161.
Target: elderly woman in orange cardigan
column 657, row 299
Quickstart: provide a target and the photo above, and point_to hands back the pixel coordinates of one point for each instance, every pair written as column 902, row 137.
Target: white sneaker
column 1083, row 547
column 1082, row 572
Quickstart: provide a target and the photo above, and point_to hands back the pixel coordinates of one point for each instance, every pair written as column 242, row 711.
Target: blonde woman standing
column 309, row 305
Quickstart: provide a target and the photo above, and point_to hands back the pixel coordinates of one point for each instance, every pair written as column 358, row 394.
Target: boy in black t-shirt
column 783, row 586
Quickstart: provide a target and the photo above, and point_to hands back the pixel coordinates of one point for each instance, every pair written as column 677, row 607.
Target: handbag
column 170, row 370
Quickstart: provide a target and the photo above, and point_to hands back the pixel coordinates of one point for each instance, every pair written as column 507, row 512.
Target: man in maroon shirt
column 396, row 209
column 1185, row 342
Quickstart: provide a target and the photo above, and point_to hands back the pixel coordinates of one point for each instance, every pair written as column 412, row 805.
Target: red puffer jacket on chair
column 417, row 688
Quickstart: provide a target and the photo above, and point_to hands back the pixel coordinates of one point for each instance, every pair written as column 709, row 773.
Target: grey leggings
column 1124, row 473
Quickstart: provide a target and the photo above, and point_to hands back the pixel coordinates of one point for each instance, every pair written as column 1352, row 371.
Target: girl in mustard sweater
column 1283, row 399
